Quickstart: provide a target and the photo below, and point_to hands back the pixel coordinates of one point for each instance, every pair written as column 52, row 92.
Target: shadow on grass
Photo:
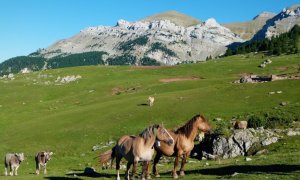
column 280, row 169
column 61, row 178
column 80, row 173
column 143, row 104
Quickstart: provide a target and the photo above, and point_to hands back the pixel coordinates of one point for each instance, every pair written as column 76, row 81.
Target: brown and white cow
column 13, row 161
column 41, row 159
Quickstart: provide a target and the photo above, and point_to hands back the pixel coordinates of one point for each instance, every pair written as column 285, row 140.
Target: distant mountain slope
column 246, row 30
column 281, row 23
column 175, row 17
column 161, row 40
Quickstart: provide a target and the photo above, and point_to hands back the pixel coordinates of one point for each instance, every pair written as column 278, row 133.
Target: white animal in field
column 41, row 160
column 150, row 100
column 13, row 161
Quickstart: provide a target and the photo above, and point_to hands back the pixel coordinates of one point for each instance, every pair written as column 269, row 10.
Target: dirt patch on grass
column 188, row 78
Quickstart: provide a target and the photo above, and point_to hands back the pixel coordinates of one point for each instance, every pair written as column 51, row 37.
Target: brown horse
column 137, row 148
column 184, row 142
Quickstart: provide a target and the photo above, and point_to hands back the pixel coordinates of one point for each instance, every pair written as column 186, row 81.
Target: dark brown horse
column 137, row 148
column 184, row 142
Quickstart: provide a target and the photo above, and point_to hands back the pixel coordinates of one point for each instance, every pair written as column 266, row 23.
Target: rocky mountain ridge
column 192, row 43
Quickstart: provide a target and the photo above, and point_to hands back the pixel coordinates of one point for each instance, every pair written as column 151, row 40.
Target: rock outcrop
column 242, row 142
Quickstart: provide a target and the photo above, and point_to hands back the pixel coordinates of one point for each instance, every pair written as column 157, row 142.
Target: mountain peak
column 175, row 17
column 264, row 15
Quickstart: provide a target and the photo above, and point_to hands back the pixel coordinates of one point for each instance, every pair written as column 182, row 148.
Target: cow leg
column 182, row 164
column 5, row 171
column 156, row 160
column 45, row 169
column 11, row 171
column 37, row 168
column 174, row 173
column 16, row 170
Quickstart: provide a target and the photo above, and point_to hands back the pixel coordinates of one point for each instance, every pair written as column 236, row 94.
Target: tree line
column 286, row 43
column 36, row 63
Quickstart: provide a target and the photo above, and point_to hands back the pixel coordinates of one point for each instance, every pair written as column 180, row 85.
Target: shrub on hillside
column 146, row 61
column 255, row 121
column 125, row 59
column 280, row 118
column 129, row 45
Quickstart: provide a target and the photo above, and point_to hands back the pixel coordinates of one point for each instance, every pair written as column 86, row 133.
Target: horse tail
column 107, row 156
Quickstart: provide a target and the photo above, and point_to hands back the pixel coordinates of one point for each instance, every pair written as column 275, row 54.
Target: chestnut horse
column 184, row 142
column 137, row 148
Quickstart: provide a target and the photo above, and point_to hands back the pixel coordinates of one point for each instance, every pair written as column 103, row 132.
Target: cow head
column 20, row 156
column 48, row 155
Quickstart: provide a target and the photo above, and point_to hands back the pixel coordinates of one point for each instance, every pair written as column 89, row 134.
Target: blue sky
column 26, row 25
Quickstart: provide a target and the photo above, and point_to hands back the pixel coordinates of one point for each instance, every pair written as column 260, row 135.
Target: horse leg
column 156, row 160
column 127, row 170
column 148, row 176
column 134, row 169
column 182, row 164
column 175, row 176
column 118, row 159
column 144, row 171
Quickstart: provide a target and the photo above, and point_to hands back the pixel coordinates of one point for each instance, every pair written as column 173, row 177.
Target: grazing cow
column 13, row 161
column 41, row 159
column 150, row 100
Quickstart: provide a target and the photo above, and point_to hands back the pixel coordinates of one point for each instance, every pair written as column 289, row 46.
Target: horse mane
column 148, row 132
column 188, row 127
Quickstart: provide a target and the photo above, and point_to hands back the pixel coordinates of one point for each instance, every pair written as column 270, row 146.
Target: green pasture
column 109, row 101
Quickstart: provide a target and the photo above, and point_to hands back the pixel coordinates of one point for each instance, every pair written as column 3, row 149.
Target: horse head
column 162, row 134
column 202, row 124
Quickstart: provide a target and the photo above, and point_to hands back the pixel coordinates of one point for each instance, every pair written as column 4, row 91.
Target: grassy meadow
column 109, row 101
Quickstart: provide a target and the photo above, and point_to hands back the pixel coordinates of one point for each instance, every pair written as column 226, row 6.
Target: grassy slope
column 69, row 119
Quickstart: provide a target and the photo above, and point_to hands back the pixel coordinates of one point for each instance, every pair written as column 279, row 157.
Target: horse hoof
column 175, row 176
column 148, row 177
column 182, row 173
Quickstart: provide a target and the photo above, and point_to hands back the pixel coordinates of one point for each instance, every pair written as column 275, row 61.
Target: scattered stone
column 272, row 92
column 263, row 151
column 96, row 147
column 292, row 133
column 248, row 159
column 278, row 92
column 234, row 174
column 208, row 156
column 25, row 71
column 207, row 164
column 10, row 76
column 67, row 79
column 284, row 103
column 269, row 141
